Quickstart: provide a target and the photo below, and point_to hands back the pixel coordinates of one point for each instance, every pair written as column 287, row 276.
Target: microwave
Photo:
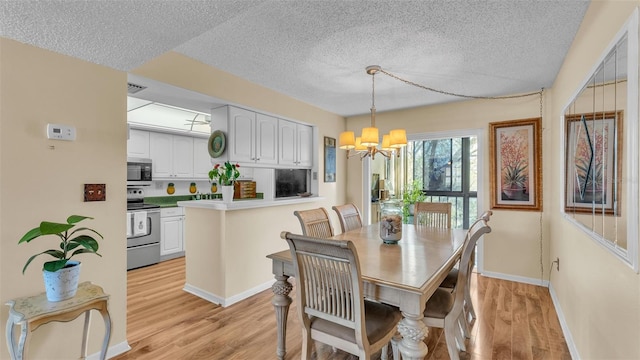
column 138, row 172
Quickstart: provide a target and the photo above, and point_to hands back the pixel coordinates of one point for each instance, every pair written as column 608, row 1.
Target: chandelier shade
column 347, row 140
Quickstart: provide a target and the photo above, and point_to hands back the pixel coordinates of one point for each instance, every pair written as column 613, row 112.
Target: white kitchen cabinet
column 252, row 137
column 138, row 144
column 172, row 155
column 201, row 159
column 295, row 144
column 172, row 231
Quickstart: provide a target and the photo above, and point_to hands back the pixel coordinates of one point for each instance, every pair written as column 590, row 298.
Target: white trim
column 573, row 350
column 112, row 351
column 515, row 278
column 224, row 302
column 630, row 255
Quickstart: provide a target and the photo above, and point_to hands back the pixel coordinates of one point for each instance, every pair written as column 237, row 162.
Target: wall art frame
column 329, row 159
column 593, row 165
column 515, row 148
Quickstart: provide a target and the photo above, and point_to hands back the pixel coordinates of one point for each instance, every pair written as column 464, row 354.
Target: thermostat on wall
column 61, row 132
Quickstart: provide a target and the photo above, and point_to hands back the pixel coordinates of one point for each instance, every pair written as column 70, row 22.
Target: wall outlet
column 557, row 262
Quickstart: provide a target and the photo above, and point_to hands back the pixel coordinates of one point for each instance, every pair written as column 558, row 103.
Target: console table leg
column 85, row 332
column 281, row 302
column 107, row 332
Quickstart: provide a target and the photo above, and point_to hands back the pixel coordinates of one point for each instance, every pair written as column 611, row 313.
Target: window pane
column 437, row 165
column 473, row 164
column 456, row 166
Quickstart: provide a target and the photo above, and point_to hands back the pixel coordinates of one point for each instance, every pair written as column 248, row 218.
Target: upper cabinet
column 259, row 140
column 295, row 144
column 138, row 144
column 201, row 158
column 172, row 155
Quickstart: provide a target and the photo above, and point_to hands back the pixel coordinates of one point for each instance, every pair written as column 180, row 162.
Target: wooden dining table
column 405, row 275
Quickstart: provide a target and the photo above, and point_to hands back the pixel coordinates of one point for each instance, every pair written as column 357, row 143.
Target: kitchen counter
column 241, row 204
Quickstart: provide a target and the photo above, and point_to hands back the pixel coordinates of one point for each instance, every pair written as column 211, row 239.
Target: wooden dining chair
column 315, row 222
column 349, row 216
column 432, row 214
column 445, row 309
column 330, row 301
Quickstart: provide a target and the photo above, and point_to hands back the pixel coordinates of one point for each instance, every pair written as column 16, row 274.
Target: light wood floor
column 515, row 321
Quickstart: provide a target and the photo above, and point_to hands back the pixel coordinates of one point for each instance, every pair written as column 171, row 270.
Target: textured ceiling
column 317, row 51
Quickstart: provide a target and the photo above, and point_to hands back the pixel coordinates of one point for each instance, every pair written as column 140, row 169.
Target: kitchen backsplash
column 181, row 187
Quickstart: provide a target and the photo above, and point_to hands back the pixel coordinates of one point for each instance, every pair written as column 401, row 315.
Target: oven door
column 143, row 248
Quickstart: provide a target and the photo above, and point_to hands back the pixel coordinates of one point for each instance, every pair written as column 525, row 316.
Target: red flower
column 217, row 166
column 237, row 165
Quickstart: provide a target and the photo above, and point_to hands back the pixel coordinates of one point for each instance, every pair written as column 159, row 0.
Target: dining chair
column 330, row 301
column 349, row 216
column 445, row 308
column 432, row 214
column 315, row 222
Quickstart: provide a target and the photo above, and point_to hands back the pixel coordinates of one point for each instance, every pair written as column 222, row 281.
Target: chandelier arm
column 458, row 95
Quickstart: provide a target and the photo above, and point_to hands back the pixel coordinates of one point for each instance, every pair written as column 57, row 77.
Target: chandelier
column 367, row 143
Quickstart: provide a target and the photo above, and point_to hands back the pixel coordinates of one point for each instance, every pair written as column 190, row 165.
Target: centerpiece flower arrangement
column 224, row 174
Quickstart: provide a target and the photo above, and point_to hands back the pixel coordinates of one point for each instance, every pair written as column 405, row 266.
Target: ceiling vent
column 133, row 88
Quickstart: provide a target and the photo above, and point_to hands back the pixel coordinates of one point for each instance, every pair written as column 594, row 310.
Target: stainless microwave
column 138, row 172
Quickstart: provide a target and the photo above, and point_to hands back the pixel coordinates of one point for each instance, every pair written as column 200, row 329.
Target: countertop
column 246, row 203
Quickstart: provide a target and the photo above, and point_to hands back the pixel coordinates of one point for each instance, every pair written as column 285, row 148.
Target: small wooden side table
column 32, row 311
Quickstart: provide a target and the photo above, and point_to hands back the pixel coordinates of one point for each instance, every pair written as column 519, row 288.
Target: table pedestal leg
column 413, row 331
column 281, row 301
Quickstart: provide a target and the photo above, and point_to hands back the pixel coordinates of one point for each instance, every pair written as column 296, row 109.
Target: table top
column 30, row 307
column 422, row 253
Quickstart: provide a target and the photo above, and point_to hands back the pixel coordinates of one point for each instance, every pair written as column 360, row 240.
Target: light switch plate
column 95, row 192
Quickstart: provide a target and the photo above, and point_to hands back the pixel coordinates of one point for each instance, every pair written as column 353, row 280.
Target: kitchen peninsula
column 226, row 244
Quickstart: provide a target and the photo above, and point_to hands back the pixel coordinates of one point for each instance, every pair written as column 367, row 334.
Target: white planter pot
column 62, row 284
column 227, row 193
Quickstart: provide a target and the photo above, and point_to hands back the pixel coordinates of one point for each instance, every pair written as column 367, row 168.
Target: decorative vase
column 391, row 221
column 62, row 284
column 227, row 193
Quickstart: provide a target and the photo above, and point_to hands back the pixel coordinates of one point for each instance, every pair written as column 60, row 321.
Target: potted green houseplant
column 61, row 275
column 225, row 175
column 411, row 194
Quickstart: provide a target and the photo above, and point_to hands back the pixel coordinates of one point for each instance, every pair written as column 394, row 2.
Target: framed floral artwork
column 516, row 164
column 593, row 155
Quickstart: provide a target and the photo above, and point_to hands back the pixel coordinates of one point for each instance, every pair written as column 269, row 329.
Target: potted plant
column 61, row 275
column 225, row 175
column 411, row 194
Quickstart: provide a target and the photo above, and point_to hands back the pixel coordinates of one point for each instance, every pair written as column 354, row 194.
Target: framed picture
column 593, row 155
column 516, row 164
column 329, row 159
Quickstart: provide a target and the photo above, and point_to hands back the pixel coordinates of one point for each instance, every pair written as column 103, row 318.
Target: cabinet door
column 201, row 159
column 138, row 144
column 171, row 235
column 242, row 135
column 182, row 156
column 287, row 141
column 304, row 144
column 266, row 139
column 161, row 153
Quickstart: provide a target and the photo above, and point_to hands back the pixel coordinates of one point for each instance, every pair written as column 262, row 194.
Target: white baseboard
column 224, row 302
column 556, row 304
column 112, row 351
column 520, row 279
column 563, row 324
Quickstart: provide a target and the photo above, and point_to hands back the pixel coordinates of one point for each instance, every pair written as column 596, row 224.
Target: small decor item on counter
column 61, row 275
column 171, row 189
column 224, row 174
column 214, row 187
column 227, row 193
column 391, row 221
column 193, row 188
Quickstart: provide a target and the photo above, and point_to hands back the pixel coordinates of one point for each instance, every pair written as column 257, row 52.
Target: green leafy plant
column 224, row 174
column 69, row 245
column 515, row 176
column 411, row 194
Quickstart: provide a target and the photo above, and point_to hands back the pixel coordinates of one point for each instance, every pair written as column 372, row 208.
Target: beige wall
column 43, row 180
column 598, row 294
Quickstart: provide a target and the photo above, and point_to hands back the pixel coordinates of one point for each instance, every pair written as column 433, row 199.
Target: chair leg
column 383, row 353
column 394, row 346
column 468, row 303
column 460, row 325
column 450, row 337
column 307, row 346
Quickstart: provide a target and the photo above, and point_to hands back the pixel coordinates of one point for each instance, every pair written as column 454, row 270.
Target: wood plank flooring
column 515, row 321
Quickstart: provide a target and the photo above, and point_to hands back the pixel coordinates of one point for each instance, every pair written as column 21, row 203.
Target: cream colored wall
column 513, row 247
column 43, row 180
column 597, row 293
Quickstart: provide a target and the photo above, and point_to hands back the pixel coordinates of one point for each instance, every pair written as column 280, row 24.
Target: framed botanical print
column 516, row 164
column 592, row 165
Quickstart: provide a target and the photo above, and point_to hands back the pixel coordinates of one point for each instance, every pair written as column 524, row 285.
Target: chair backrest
column 432, row 214
column 315, row 222
column 349, row 216
column 477, row 229
column 329, row 284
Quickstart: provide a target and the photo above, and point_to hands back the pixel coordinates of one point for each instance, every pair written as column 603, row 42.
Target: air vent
column 133, row 88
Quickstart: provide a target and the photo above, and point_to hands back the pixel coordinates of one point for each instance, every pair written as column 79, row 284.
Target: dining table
column 404, row 274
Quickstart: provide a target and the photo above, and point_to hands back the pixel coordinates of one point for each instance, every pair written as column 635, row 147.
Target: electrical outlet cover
column 95, row 192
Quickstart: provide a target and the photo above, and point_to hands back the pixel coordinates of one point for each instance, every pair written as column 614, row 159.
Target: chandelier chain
column 455, row 94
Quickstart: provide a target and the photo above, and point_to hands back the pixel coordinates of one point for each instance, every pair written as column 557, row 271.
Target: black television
column 291, row 182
